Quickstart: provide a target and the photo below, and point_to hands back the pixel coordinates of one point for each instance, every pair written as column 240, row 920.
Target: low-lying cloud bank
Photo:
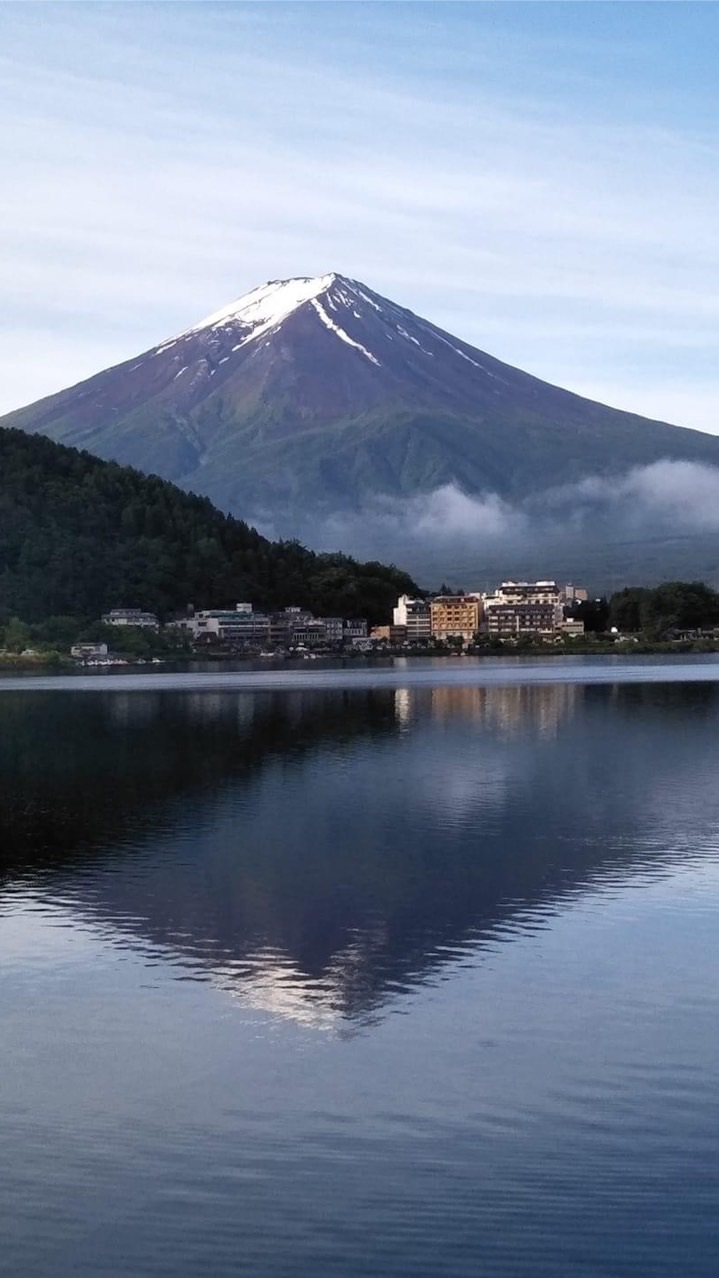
column 681, row 497
column 576, row 529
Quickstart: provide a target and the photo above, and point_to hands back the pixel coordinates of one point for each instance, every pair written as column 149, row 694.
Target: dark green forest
column 658, row 611
column 79, row 536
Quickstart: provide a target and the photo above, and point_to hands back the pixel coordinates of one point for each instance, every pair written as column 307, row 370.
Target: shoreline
column 47, row 665
column 374, row 675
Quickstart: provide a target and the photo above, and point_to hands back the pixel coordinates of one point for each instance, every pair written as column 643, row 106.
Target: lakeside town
column 515, row 610
column 513, row 618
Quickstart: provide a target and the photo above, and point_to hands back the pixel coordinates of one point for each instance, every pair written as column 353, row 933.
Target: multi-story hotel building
column 529, row 608
column 455, row 616
column 510, row 620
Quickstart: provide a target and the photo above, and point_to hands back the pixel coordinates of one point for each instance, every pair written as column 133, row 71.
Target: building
column 514, row 620
column 131, row 617
column 334, row 629
column 529, row 592
column 516, row 608
column 522, row 608
column 354, row 630
column 86, row 650
column 310, row 634
column 455, row 617
column 414, row 615
column 394, row 635
column 242, row 627
column 571, row 628
column 575, row 594
column 281, row 627
column 239, row 626
column 284, row 626
column 297, row 626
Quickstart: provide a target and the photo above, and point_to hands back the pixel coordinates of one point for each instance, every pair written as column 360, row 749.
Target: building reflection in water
column 508, row 711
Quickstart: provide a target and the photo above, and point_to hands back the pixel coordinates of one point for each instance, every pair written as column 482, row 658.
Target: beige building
column 455, row 617
column 571, row 628
column 395, row 635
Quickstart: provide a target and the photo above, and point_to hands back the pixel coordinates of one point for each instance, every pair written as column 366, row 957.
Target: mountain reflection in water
column 323, row 854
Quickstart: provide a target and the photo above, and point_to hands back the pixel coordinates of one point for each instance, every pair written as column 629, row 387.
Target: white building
column 86, row 650
column 524, row 608
column 131, row 617
column 229, row 625
column 529, row 592
column 415, row 616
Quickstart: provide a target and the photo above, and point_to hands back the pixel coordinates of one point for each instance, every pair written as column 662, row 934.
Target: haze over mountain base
column 654, row 523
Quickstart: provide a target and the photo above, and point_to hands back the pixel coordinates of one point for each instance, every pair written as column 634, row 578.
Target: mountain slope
column 79, row 535
column 312, row 396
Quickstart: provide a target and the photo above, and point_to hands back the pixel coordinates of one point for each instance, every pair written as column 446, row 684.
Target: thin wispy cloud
column 167, row 158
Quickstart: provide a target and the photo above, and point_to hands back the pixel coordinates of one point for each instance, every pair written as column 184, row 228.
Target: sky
column 541, row 179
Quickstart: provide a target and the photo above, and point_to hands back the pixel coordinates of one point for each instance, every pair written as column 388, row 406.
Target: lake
column 347, row 973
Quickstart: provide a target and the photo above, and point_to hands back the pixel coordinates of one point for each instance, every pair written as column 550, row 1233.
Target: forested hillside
column 79, row 535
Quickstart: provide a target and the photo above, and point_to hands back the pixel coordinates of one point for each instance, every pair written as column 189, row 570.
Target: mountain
column 321, row 410
column 79, row 535
column 312, row 395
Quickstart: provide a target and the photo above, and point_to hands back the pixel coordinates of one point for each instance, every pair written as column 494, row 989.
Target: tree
column 625, row 609
column 16, row 636
column 594, row 613
column 674, row 605
column 681, row 605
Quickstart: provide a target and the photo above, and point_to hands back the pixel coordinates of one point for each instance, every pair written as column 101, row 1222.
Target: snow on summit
column 267, row 305
column 360, row 319
column 266, row 308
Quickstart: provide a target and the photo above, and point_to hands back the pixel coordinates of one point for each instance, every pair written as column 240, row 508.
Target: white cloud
column 684, row 496
column 447, row 511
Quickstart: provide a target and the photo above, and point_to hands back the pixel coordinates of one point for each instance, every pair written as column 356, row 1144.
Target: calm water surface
column 404, row 973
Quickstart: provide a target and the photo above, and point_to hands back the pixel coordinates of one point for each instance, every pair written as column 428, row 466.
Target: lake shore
column 61, row 664
column 377, row 673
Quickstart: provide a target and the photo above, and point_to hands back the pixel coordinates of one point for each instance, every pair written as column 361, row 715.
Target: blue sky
column 540, row 179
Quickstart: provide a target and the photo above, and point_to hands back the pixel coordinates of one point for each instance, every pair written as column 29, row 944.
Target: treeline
column 656, row 612
column 79, row 536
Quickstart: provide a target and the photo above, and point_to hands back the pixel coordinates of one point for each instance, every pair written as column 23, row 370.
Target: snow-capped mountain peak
column 266, row 306
column 264, row 310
